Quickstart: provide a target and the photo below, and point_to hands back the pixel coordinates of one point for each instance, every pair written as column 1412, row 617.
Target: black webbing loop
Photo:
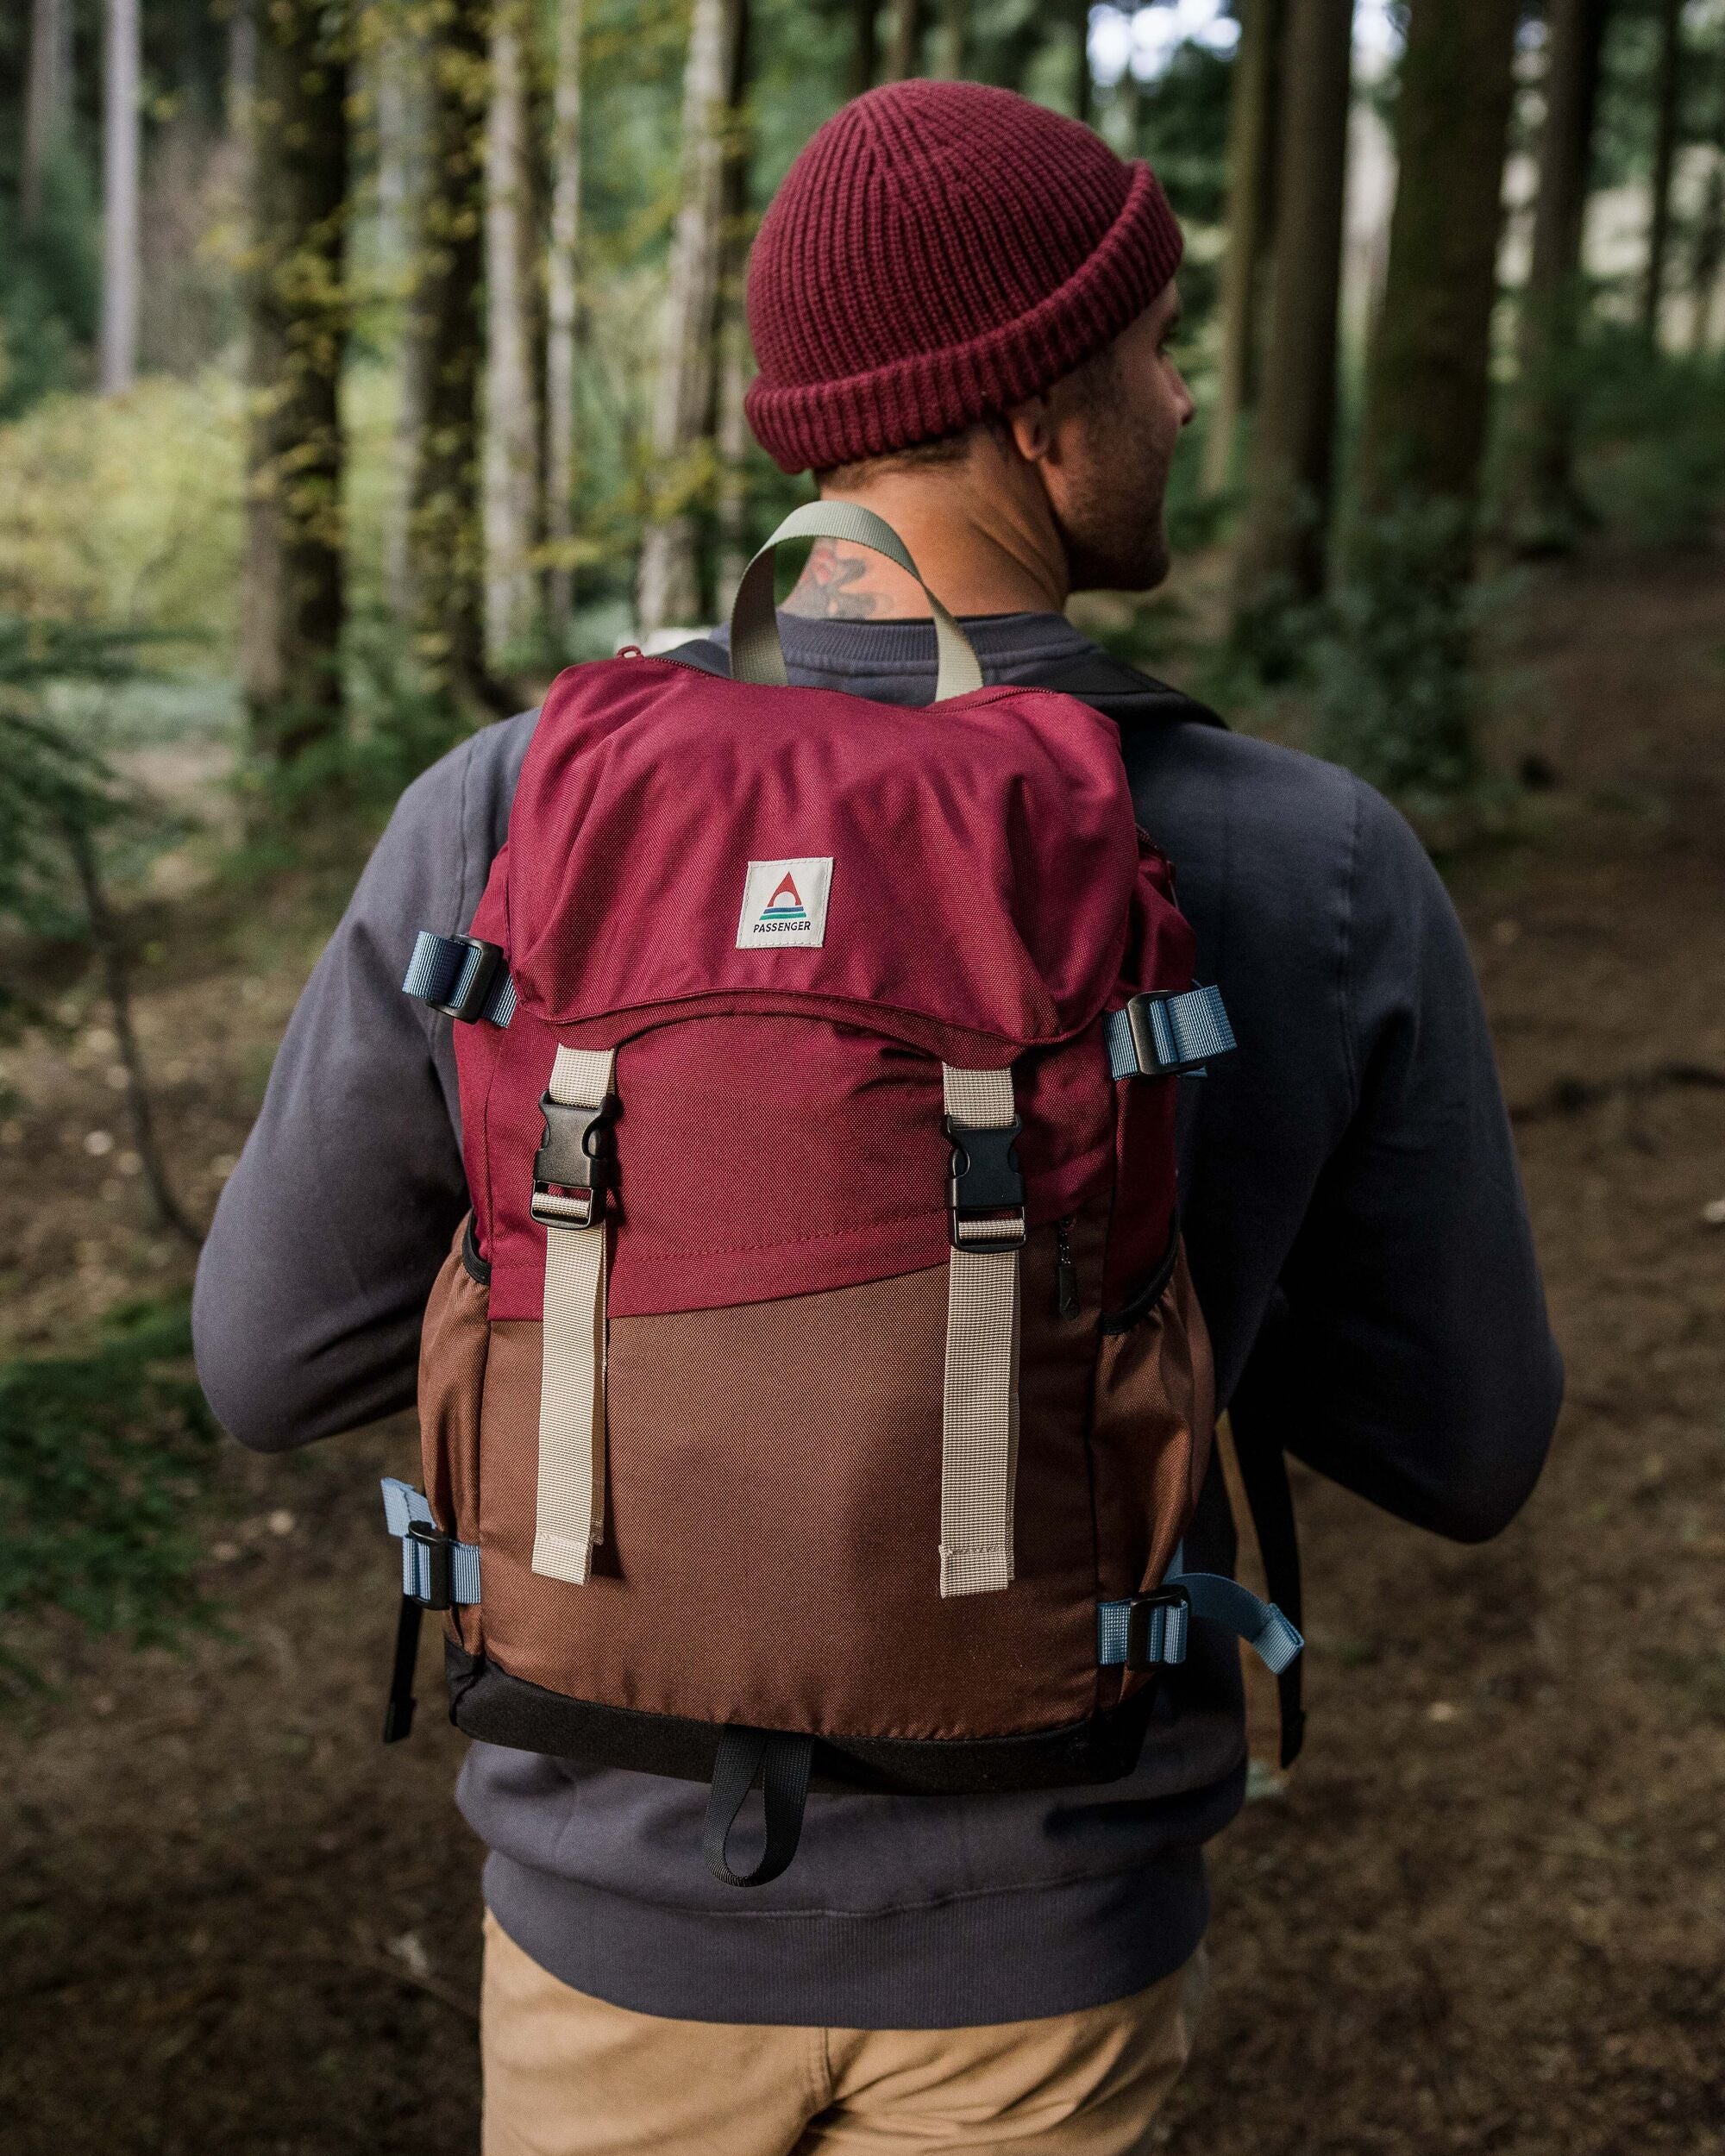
column 782, row 1763
column 397, row 1714
column 1259, row 1416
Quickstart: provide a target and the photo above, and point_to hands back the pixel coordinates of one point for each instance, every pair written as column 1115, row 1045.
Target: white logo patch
column 785, row 902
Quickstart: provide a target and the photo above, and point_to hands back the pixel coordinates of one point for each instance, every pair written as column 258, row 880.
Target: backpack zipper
column 1065, row 1272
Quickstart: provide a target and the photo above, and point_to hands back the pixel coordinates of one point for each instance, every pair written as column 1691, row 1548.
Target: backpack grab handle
column 757, row 655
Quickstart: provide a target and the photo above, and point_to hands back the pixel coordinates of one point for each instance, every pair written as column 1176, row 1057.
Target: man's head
column 953, row 280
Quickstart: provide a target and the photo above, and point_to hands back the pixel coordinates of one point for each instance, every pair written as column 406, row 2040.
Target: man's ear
column 1032, row 429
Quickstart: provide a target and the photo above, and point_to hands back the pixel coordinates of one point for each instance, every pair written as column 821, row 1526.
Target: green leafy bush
column 104, row 1459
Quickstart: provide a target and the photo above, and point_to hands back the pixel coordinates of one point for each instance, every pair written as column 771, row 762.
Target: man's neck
column 981, row 551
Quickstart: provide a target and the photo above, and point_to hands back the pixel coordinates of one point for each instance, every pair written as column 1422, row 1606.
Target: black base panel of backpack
column 487, row 1702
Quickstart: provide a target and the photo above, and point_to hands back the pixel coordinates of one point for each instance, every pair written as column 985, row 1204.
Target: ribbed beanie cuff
column 938, row 251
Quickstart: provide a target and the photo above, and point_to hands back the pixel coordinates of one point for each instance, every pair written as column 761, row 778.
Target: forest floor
column 1484, row 1915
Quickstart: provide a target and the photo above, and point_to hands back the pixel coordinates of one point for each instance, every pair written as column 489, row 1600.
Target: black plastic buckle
column 983, row 1179
column 470, row 1005
column 1142, row 1031
column 576, row 1164
column 1142, row 1645
column 439, row 1564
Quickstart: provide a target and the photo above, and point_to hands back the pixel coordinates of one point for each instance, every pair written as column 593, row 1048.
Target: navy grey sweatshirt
column 1347, row 1173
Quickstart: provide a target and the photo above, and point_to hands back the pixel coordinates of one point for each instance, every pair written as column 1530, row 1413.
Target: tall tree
column 1250, row 221
column 730, row 425
column 903, row 40
column 1283, row 548
column 669, row 588
column 47, row 102
column 1083, row 98
column 512, row 432
column 865, row 46
column 445, row 559
column 1427, row 391
column 292, row 601
column 1708, row 247
column 562, row 297
column 954, row 37
column 1667, row 115
column 1429, row 381
column 1547, row 506
column 122, row 144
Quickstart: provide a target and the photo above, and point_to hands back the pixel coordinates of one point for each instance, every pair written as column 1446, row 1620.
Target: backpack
column 816, row 1394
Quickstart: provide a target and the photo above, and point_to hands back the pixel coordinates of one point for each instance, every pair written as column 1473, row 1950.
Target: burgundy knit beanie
column 939, row 251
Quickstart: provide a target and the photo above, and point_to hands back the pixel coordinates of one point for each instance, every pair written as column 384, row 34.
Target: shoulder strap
column 1122, row 694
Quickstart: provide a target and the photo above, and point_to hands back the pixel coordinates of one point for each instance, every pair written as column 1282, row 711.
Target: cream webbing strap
column 979, row 1406
column 570, row 1177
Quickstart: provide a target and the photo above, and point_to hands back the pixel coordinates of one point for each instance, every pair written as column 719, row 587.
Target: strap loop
column 757, row 655
column 1147, row 1632
column 783, row 1760
column 1159, row 1035
column 462, row 977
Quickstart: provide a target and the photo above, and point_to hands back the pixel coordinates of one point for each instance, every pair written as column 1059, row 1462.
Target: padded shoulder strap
column 1122, row 694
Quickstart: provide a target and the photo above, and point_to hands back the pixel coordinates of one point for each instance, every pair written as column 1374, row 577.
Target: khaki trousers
column 566, row 2075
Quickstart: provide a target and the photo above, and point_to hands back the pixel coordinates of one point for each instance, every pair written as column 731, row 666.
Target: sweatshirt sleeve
column 1416, row 1364
column 329, row 1233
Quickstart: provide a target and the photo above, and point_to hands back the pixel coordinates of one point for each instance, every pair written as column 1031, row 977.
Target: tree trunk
column 729, row 426
column 562, row 295
column 669, row 589
column 1083, row 88
column 512, row 403
column 904, row 42
column 47, row 104
column 121, row 131
column 1667, row 104
column 1708, row 250
column 865, row 46
column 1427, row 393
column 291, row 597
column 1548, row 508
column 1283, row 550
column 1428, row 398
column 445, row 564
column 1250, row 218
column 955, row 36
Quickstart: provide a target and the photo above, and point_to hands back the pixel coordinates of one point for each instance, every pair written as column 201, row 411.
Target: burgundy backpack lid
column 983, row 854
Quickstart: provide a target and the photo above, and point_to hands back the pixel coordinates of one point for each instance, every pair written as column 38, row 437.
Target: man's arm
column 329, row 1233
column 1416, row 1364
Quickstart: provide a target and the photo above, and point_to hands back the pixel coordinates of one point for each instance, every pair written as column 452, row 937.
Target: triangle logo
column 784, row 902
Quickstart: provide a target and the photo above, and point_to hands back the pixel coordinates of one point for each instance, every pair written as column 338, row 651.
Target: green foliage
column 49, row 282
column 1653, row 438
column 1391, row 660
column 104, row 1457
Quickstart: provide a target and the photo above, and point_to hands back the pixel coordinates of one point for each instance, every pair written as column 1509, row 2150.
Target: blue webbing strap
column 444, row 970
column 1159, row 1035
column 1210, row 1596
column 404, row 1507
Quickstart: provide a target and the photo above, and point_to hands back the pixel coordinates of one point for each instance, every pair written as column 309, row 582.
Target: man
column 962, row 307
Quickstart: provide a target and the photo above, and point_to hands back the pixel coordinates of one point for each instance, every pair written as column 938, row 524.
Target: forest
column 363, row 363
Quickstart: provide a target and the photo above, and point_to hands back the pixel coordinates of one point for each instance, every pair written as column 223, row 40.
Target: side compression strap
column 461, row 976
column 1160, row 1036
column 783, row 1761
column 1148, row 1631
column 437, row 1572
column 979, row 1448
column 570, row 1177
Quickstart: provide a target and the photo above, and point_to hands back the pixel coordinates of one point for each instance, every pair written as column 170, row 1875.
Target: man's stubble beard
column 1113, row 529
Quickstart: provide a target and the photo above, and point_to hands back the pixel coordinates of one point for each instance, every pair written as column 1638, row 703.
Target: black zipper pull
column 1065, row 1272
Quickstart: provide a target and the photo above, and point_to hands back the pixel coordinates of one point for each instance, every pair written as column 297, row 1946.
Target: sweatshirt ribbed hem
column 960, row 1963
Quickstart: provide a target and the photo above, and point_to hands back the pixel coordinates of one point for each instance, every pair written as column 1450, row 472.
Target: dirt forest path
column 1486, row 1914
